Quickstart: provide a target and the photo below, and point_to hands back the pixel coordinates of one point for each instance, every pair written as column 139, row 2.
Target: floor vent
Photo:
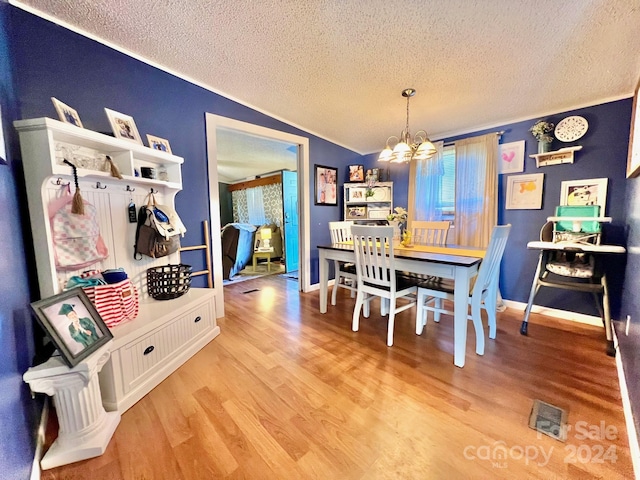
column 549, row 419
column 251, row 291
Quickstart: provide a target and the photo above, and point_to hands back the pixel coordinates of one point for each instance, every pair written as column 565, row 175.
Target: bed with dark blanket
column 237, row 247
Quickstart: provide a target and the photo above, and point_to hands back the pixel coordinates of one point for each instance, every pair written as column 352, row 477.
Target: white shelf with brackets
column 557, row 157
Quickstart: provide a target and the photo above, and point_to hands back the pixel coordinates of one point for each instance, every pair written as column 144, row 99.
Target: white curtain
column 425, row 192
column 255, row 206
column 477, row 189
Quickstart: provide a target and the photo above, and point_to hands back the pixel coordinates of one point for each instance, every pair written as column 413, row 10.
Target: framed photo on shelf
column 123, row 126
column 357, row 194
column 66, row 113
column 356, row 213
column 633, row 160
column 511, row 157
column 585, row 192
column 325, row 185
column 158, row 143
column 73, row 324
column 524, row 192
column 356, row 173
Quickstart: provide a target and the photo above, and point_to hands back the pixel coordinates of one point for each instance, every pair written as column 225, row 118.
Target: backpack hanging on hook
column 75, row 231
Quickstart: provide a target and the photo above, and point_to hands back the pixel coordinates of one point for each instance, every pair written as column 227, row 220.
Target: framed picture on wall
column 123, row 126
column 633, row 160
column 325, row 185
column 66, row 113
column 524, row 192
column 585, row 192
column 73, row 324
column 3, row 150
column 511, row 157
column 356, row 173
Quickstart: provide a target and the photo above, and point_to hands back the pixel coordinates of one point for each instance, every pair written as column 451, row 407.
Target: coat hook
column 61, row 183
column 100, row 186
column 152, row 191
column 129, row 189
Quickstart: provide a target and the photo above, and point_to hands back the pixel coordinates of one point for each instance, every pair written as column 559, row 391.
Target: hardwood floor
column 285, row 392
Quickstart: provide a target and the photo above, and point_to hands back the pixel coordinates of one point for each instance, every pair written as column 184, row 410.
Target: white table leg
column 460, row 308
column 324, row 280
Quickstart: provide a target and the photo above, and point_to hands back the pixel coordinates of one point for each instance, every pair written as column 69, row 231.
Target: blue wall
column 603, row 155
column 52, row 61
column 18, row 413
column 630, row 345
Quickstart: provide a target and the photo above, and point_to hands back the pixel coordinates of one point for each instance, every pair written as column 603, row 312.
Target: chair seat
column 577, row 268
column 440, row 284
column 402, row 283
column 348, row 268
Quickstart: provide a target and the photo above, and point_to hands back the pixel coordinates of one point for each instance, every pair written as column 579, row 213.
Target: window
column 448, row 189
column 435, row 186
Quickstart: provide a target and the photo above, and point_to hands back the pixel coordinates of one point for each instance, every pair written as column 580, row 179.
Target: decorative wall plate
column 571, row 128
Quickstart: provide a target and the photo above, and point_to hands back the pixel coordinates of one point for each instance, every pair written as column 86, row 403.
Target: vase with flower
column 398, row 220
column 541, row 130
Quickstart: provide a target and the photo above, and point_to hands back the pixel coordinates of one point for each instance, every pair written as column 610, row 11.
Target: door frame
column 212, row 123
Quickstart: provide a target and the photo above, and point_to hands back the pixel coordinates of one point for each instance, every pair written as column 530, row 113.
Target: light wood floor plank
column 286, row 392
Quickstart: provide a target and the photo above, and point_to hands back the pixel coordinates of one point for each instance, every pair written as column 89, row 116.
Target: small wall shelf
column 564, row 155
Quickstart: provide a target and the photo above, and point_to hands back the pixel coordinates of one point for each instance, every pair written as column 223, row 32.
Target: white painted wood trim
column 556, row 313
column 213, row 122
column 634, row 445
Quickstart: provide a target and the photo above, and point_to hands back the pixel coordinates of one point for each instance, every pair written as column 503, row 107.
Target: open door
column 290, row 214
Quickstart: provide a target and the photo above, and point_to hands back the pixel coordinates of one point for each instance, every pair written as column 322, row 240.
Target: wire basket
column 169, row 281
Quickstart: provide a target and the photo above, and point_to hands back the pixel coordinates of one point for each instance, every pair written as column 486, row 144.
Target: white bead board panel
column 112, row 205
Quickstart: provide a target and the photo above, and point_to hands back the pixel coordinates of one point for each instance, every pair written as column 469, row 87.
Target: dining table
column 454, row 262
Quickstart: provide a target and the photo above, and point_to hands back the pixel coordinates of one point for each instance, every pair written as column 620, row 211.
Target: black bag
column 149, row 241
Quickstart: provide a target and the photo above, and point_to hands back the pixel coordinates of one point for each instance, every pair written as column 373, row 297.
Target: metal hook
column 60, row 183
column 129, row 189
column 152, row 191
column 100, row 186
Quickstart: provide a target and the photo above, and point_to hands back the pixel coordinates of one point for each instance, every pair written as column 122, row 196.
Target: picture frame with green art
column 73, row 324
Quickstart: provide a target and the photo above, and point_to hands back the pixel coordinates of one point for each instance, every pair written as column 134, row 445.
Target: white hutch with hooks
column 166, row 333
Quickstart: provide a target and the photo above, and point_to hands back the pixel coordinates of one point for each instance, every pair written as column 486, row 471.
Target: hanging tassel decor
column 115, row 172
column 77, row 206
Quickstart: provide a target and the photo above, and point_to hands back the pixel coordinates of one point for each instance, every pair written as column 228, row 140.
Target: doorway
column 216, row 123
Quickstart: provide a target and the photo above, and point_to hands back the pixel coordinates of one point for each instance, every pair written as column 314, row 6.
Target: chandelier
column 407, row 148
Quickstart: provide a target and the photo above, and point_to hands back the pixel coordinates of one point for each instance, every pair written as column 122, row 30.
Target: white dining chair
column 483, row 292
column 430, row 232
column 377, row 276
column 340, row 233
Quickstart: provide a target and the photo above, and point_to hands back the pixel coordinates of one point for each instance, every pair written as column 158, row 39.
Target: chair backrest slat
column 490, row 266
column 340, row 231
column 373, row 247
column 430, row 233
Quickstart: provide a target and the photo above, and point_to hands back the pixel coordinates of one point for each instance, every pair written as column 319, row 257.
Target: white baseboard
column 553, row 312
column 42, row 428
column 634, row 445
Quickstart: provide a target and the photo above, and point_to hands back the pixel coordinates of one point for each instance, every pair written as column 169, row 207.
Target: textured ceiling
column 336, row 68
column 241, row 156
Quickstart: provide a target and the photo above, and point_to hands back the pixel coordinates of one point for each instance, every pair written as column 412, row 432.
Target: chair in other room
column 340, row 233
column 430, row 233
column 377, row 276
column 483, row 292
